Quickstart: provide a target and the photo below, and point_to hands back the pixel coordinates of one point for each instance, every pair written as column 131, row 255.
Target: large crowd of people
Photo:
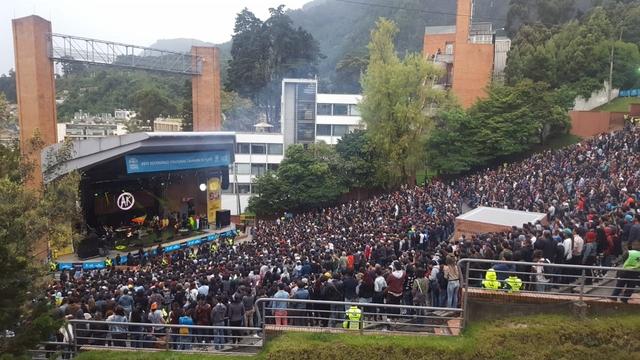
column 396, row 248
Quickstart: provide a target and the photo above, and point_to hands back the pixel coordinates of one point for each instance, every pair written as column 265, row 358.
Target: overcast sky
column 137, row 22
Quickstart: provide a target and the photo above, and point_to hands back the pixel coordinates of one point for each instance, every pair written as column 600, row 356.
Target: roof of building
column 499, row 216
column 435, row 30
column 94, row 151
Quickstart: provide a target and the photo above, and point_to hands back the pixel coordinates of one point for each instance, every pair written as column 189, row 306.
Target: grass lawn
column 620, row 104
column 530, row 338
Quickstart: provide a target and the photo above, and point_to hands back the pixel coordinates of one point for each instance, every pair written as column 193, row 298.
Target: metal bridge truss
column 68, row 48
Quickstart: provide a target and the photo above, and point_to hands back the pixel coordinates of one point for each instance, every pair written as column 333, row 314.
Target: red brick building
column 470, row 53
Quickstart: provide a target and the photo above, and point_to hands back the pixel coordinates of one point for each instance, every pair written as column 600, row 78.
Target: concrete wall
column 205, row 89
column 597, row 98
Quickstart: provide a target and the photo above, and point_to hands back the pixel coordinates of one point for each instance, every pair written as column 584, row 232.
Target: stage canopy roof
column 502, row 217
column 90, row 152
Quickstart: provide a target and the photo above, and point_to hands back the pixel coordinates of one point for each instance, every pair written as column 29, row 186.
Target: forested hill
column 342, row 27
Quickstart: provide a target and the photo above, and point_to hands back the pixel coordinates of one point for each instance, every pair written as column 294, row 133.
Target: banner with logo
column 629, row 93
column 97, row 265
column 214, row 202
column 141, row 163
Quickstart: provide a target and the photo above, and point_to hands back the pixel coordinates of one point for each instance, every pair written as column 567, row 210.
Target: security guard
column 628, row 277
column 53, row 266
column 513, row 283
column 214, row 247
column 165, row 262
column 108, row 262
column 491, row 280
column 354, row 315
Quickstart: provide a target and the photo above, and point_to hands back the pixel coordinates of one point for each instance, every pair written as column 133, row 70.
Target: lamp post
column 613, row 45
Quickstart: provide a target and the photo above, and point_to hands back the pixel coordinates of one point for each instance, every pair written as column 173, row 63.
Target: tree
column 359, row 167
column 71, row 67
column 510, row 119
column 239, row 113
column 6, row 118
column 546, row 12
column 8, row 86
column 397, row 105
column 263, row 53
column 348, row 72
column 574, row 56
column 151, row 103
column 186, row 112
column 306, row 179
column 452, row 147
column 26, row 217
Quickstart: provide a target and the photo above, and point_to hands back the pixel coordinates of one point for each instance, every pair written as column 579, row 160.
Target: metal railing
column 563, row 281
column 53, row 350
column 93, row 334
column 332, row 315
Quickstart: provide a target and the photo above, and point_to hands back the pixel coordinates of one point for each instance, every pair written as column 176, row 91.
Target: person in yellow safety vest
column 214, row 247
column 491, row 280
column 108, row 262
column 230, row 241
column 354, row 315
column 192, row 254
column 164, row 261
column 513, row 283
column 53, row 266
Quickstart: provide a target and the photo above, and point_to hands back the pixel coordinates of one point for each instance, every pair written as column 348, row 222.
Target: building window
column 339, row 130
column 243, row 148
column 274, row 149
column 258, row 169
column 243, row 169
column 340, row 109
column 324, row 109
column 353, row 110
column 244, row 188
column 258, row 149
column 305, row 132
column 448, row 49
column 324, row 130
column 306, row 111
column 273, row 167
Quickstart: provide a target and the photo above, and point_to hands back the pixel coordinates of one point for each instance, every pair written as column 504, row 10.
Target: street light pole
column 613, row 45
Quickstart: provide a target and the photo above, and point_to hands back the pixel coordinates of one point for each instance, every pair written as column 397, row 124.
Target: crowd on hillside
column 395, row 248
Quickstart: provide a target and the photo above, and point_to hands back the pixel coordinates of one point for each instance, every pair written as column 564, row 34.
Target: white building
column 306, row 117
column 121, row 114
column 167, row 124
column 86, row 130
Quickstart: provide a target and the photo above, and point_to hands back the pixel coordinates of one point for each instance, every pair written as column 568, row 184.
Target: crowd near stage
column 144, row 189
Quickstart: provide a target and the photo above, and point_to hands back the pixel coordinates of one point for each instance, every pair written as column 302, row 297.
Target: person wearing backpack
column 442, row 284
column 419, row 290
column 184, row 332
